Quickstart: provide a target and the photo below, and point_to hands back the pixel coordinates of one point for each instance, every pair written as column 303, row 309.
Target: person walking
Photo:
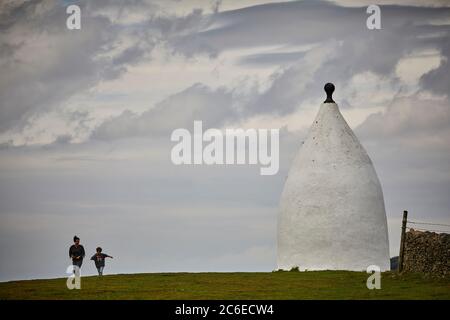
column 76, row 253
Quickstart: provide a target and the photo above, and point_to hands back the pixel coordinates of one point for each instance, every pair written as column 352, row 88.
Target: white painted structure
column 332, row 213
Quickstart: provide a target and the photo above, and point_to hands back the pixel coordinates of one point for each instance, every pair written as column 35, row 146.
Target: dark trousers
column 77, row 263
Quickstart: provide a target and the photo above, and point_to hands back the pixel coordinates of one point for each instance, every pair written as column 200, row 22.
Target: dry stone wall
column 427, row 252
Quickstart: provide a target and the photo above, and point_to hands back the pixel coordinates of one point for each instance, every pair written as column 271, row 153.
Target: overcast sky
column 86, row 117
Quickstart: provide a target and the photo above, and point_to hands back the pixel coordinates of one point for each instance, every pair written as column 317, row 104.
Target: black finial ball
column 329, row 89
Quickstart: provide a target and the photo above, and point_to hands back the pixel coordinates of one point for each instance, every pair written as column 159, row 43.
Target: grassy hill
column 274, row 285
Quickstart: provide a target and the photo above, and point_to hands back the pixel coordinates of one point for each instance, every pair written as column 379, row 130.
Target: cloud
column 410, row 118
column 334, row 51
column 43, row 64
column 408, row 144
column 438, row 79
column 419, row 3
column 248, row 27
column 337, row 51
column 198, row 102
column 115, row 36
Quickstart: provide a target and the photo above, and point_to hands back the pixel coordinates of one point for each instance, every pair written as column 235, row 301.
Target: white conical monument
column 332, row 214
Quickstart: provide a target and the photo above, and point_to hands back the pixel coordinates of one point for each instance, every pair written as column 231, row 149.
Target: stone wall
column 427, row 252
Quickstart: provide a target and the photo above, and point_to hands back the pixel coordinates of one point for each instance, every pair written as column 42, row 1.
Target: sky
column 86, row 117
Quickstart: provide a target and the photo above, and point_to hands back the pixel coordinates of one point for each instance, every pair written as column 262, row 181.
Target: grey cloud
column 43, row 63
column 410, row 118
column 341, row 30
column 304, row 22
column 420, row 3
column 340, row 48
column 129, row 55
column 356, row 49
column 408, row 144
column 39, row 82
column 272, row 58
column 249, row 27
column 438, row 80
column 409, row 147
column 62, row 139
column 198, row 102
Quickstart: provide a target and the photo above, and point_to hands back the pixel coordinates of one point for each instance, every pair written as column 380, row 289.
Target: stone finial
column 329, row 89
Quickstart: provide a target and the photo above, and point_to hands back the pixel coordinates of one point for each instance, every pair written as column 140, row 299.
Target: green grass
column 274, row 285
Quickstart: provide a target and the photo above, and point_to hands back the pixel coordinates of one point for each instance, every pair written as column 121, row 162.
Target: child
column 99, row 259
